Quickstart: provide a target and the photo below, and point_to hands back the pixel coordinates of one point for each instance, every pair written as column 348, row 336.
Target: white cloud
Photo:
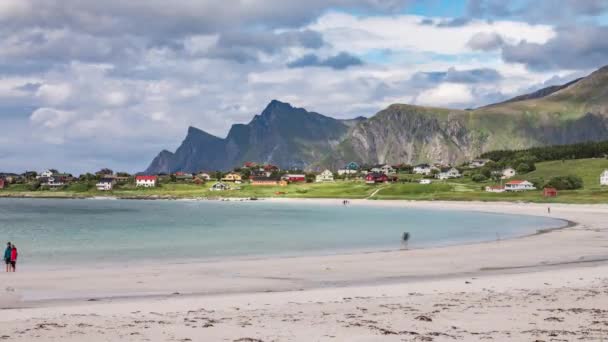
column 446, row 95
column 54, row 94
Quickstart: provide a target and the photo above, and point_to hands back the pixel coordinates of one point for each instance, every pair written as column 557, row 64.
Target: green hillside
column 588, row 169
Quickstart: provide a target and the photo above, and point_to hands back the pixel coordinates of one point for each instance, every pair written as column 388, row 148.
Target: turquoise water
column 55, row 231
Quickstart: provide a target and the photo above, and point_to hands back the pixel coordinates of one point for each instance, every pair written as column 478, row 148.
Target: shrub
column 570, row 182
column 478, row 177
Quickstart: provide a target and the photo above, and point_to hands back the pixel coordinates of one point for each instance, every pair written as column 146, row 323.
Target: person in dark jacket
column 7, row 256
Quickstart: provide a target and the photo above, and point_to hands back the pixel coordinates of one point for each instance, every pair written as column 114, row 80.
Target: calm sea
column 53, row 231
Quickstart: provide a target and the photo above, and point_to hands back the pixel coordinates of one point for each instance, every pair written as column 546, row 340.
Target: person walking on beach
column 14, row 259
column 7, row 256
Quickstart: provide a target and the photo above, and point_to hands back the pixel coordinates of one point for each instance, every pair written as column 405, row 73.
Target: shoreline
column 502, row 290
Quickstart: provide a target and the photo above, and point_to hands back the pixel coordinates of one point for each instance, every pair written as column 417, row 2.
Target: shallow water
column 59, row 231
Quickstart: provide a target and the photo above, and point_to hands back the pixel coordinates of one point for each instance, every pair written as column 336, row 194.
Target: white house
column 146, row 181
column 387, row 170
column 604, row 178
column 508, row 173
column 347, row 172
column 54, row 182
column 448, row 173
column 425, row 181
column 204, row 176
column 105, row 184
column 220, row 187
column 478, row 163
column 519, row 185
column 45, row 174
column 422, row 169
column 325, row 176
column 495, row 188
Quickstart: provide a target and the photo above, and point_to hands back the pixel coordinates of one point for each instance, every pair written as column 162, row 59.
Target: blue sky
column 86, row 85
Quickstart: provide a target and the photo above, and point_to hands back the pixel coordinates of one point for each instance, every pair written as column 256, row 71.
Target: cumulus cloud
column 446, row 95
column 572, row 48
column 484, row 75
column 485, row 41
column 340, row 61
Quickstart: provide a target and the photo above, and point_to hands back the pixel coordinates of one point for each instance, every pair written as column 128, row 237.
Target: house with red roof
column 376, row 177
column 519, row 185
column 550, row 192
column 146, row 181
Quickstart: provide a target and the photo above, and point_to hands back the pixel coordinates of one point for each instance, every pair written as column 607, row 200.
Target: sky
column 88, row 84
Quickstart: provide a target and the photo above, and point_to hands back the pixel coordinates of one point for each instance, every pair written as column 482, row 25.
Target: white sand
column 552, row 286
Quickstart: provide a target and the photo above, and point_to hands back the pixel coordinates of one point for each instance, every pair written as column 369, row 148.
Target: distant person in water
column 7, row 256
column 14, row 259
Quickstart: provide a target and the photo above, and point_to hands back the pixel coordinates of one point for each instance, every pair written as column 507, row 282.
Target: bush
column 478, row 177
column 570, row 182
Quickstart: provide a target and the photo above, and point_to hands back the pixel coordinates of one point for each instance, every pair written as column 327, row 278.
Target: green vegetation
column 581, row 175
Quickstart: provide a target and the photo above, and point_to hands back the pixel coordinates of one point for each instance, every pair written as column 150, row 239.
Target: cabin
column 265, row 181
column 45, row 174
column 495, row 188
column 508, row 173
column 352, row 166
column 376, row 177
column 232, row 177
column 292, row 178
column 604, row 178
column 219, row 187
column 448, row 173
column 388, row 170
column 204, row 176
column 105, row 184
column 324, row 177
column 146, row 181
column 519, row 185
column 2, row 183
column 550, row 192
column 422, row 169
column 477, row 163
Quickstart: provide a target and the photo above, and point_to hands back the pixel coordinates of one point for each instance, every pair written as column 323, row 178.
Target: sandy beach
column 545, row 287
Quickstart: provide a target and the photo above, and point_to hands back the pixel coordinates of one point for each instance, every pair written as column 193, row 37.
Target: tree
column 570, row 182
column 104, row 171
column 310, row 177
column 478, row 177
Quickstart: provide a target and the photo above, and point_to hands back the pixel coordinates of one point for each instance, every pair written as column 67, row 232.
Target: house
column 425, row 181
column 448, row 173
column 249, row 165
column 519, row 185
column 204, row 176
column 422, row 169
column 182, row 176
column 604, row 178
column 232, row 177
column 387, row 170
column 54, row 182
column 347, row 172
column 325, row 176
column 508, row 173
column 352, row 166
column 2, row 183
column 146, row 181
column 550, row 192
column 220, row 187
column 476, row 163
column 265, row 181
column 45, row 174
column 376, row 177
column 495, row 188
column 105, row 184
column 291, row 178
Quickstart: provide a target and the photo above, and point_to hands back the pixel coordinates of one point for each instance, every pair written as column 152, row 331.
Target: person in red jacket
column 14, row 255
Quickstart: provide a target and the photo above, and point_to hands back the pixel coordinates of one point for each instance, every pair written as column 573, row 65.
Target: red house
column 376, row 177
column 2, row 183
column 550, row 192
column 294, row 178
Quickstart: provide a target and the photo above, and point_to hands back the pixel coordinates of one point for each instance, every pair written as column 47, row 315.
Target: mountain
column 293, row 137
column 575, row 112
column 281, row 135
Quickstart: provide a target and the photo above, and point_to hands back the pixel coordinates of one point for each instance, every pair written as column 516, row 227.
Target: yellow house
column 232, row 177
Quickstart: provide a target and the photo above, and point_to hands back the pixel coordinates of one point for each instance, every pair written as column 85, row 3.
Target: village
column 489, row 177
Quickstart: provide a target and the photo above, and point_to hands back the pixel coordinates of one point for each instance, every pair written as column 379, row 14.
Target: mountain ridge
column 296, row 138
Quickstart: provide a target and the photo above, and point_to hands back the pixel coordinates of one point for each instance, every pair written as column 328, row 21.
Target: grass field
column 453, row 190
